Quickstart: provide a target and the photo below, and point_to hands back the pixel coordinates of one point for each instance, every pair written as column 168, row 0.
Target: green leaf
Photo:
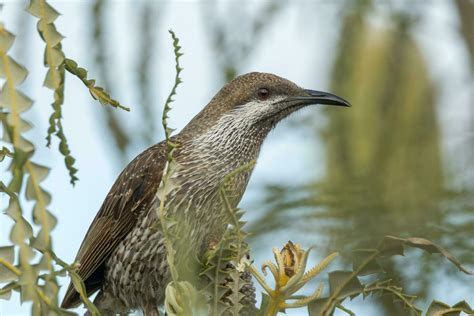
column 463, row 305
column 5, row 152
column 436, row 308
column 21, row 231
column 391, row 247
column 81, row 289
column 42, row 217
column 17, row 71
column 6, row 39
column 6, row 275
column 6, row 291
column 342, row 283
column 39, row 172
column 42, row 10
column 13, row 210
column 25, row 145
column 31, row 192
column 360, row 257
column 52, row 78
column 42, row 240
column 7, row 253
column 426, row 245
column 317, row 307
column 20, row 101
column 53, row 56
column 27, row 281
column 98, row 93
column 22, row 125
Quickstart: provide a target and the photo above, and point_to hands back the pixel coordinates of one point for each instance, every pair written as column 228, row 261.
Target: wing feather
column 132, row 193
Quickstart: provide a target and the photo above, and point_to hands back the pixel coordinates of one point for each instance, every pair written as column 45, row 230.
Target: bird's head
column 257, row 102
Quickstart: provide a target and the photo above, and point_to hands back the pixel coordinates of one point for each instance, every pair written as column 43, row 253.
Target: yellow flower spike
column 290, row 276
column 288, row 288
column 291, row 254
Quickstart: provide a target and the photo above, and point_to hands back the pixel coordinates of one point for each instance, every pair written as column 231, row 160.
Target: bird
column 123, row 254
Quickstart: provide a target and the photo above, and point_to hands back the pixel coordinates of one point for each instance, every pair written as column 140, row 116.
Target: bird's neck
column 203, row 162
column 223, row 148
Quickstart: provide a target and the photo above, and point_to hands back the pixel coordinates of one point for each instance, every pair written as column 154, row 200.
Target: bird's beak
column 319, row 97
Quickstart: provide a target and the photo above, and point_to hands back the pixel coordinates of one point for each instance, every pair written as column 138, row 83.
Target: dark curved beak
column 319, row 97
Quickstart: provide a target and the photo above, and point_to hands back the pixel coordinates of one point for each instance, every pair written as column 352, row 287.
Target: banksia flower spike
column 290, row 276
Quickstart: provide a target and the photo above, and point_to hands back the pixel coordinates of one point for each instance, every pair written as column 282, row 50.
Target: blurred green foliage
column 384, row 171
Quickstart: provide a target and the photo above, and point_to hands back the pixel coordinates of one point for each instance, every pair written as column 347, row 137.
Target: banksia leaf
column 53, row 59
column 98, row 93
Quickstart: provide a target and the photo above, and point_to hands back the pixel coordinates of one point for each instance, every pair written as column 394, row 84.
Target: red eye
column 263, row 93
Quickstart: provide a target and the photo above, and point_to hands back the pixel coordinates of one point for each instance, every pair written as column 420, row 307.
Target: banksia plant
column 290, row 276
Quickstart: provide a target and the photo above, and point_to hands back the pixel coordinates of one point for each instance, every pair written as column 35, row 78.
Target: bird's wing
column 133, row 192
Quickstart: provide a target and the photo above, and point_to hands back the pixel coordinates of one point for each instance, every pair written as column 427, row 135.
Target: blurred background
column 399, row 162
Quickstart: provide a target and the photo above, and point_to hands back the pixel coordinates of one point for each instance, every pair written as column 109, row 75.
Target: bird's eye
column 263, row 93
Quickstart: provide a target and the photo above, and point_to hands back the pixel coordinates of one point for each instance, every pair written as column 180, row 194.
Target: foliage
column 167, row 185
column 345, row 284
column 54, row 80
column 30, row 265
column 386, row 167
column 27, row 275
column 289, row 274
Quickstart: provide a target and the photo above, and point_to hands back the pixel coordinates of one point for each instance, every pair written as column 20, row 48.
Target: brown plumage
column 116, row 218
column 121, row 255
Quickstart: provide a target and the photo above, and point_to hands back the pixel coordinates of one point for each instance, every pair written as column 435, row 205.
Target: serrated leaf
column 391, row 247
column 25, row 145
column 98, row 93
column 5, row 295
column 42, row 10
column 6, row 275
column 22, row 125
column 16, row 72
column 7, row 290
column 42, row 216
column 27, row 282
column 39, row 172
column 52, row 79
column 16, row 100
column 6, row 39
column 5, row 152
column 317, row 307
column 436, row 308
column 32, row 191
column 360, row 257
column 49, row 33
column 44, row 263
column 53, row 56
column 81, row 289
column 426, row 245
column 7, row 253
column 42, row 240
column 342, row 283
column 464, row 305
column 20, row 231
column 13, row 209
